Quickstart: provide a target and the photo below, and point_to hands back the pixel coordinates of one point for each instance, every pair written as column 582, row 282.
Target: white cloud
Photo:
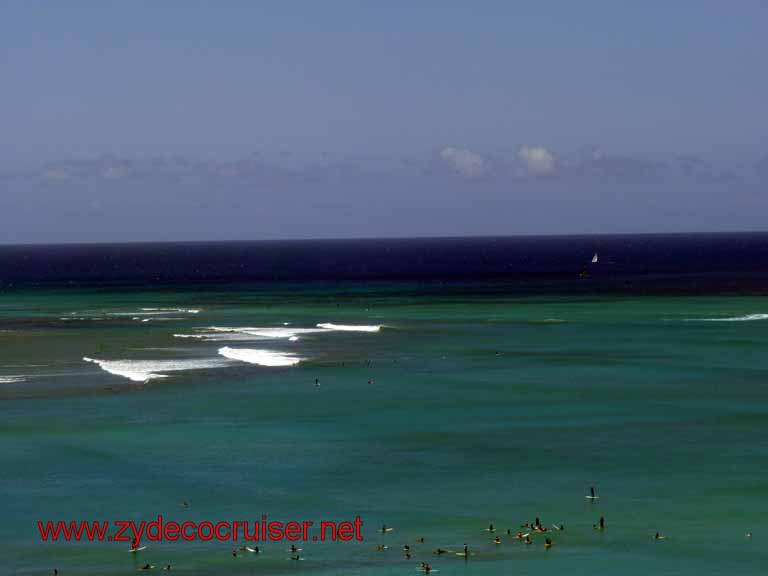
column 465, row 162
column 537, row 160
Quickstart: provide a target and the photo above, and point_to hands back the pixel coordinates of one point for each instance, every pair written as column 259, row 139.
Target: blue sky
column 379, row 119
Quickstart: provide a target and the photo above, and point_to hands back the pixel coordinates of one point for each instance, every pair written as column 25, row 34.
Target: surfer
column 519, row 535
column 147, row 566
column 547, row 543
column 601, row 524
column 427, row 569
column 167, row 567
column 497, row 540
column 184, row 504
column 528, row 539
column 406, row 548
column 658, row 536
column 420, row 539
column 466, row 552
column 293, row 548
column 748, row 534
column 491, row 528
column 234, row 552
column 560, row 528
column 296, row 557
column 381, row 547
column 439, row 551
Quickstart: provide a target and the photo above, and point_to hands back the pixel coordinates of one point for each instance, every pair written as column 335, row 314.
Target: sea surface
column 462, row 382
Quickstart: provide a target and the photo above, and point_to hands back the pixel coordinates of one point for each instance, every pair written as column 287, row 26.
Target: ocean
column 433, row 385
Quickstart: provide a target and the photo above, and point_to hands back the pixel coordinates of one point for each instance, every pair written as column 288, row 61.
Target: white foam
column 143, row 370
column 226, row 333
column 745, row 318
column 182, row 310
column 260, row 357
column 12, row 379
column 348, row 328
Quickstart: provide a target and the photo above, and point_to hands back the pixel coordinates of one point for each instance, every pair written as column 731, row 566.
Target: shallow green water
column 481, row 409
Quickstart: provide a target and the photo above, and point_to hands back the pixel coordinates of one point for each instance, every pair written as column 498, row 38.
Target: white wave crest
column 261, row 357
column 745, row 318
column 12, row 379
column 143, row 370
column 348, row 328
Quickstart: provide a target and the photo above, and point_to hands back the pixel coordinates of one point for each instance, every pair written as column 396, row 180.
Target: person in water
column 406, row 548
column 491, row 528
column 466, row 551
column 497, row 540
column 439, row 551
column 519, row 535
column 547, row 543
column 592, row 491
column 147, row 566
column 293, row 548
column 296, row 557
column 601, row 524
column 427, row 568
column 528, row 539
column 317, row 382
column 167, row 567
column 420, row 539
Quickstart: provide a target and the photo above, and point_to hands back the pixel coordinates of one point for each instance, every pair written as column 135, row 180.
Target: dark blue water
column 698, row 263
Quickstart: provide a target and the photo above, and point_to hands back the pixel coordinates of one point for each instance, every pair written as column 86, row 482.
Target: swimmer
column 497, row 540
column 547, row 543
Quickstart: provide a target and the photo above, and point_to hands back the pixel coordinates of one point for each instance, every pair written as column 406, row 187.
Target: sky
column 188, row 120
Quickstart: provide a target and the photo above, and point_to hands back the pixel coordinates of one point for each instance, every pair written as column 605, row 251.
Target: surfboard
column 250, row 549
column 297, row 550
column 386, row 530
column 592, row 497
column 137, row 549
column 462, row 554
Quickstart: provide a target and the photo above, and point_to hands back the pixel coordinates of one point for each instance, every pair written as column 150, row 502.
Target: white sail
column 594, row 258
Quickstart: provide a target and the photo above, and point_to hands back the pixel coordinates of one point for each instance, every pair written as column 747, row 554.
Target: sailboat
column 594, row 258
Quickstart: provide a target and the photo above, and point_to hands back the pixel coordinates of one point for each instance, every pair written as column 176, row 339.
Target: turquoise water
column 480, row 409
